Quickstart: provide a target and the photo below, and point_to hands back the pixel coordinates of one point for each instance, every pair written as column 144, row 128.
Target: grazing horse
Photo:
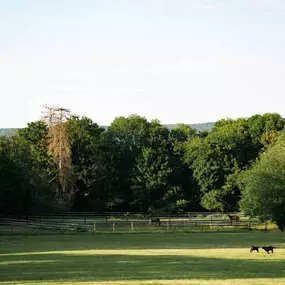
column 155, row 221
column 253, row 248
column 268, row 248
column 233, row 219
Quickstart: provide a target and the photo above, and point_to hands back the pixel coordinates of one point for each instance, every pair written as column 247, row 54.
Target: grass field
column 156, row 258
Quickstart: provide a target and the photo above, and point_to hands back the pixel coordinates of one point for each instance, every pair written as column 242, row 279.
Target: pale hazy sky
column 175, row 60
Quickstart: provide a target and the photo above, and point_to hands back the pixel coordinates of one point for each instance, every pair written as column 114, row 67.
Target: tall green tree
column 29, row 149
column 186, row 197
column 85, row 138
column 263, row 185
column 153, row 169
column 264, row 128
column 15, row 194
column 27, row 168
column 217, row 160
column 121, row 144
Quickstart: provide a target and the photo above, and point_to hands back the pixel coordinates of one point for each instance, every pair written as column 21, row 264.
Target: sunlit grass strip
column 252, row 281
column 237, row 253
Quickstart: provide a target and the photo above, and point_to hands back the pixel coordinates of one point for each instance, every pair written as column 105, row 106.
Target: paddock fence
column 111, row 222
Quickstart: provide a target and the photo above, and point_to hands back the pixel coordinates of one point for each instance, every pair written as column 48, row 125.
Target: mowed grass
column 156, row 258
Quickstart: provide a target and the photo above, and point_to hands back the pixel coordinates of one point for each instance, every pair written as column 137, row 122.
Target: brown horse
column 155, row 221
column 234, row 219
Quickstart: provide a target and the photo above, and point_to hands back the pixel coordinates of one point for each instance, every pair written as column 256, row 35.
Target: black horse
column 268, row 248
column 253, row 248
column 155, row 221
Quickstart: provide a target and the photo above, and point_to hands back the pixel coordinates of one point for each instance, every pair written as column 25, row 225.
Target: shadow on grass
column 38, row 243
column 103, row 267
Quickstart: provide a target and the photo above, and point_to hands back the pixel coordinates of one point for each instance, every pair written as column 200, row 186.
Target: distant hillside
column 199, row 127
column 7, row 131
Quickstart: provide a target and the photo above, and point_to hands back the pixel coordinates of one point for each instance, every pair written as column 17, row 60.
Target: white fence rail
column 167, row 224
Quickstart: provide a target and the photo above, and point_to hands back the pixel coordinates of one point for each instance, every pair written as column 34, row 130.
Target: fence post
column 132, row 226
column 265, row 225
column 217, row 226
column 85, row 220
column 167, row 225
column 113, row 228
column 94, row 227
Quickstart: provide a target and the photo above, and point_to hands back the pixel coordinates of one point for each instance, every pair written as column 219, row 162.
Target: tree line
column 66, row 162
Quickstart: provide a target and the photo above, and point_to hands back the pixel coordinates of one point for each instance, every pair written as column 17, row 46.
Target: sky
column 179, row 61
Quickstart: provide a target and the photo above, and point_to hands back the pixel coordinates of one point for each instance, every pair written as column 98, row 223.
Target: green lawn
column 157, row 258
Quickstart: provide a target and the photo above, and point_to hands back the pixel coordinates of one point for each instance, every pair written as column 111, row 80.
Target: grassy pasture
column 154, row 258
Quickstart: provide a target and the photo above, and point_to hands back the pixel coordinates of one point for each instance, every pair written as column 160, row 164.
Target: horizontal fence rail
column 90, row 222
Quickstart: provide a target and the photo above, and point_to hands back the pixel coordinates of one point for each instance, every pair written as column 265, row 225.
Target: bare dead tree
column 60, row 149
column 54, row 115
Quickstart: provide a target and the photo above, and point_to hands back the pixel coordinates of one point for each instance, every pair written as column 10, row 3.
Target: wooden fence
column 91, row 225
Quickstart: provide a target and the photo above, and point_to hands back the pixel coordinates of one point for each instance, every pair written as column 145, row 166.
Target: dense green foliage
column 136, row 165
column 264, row 185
